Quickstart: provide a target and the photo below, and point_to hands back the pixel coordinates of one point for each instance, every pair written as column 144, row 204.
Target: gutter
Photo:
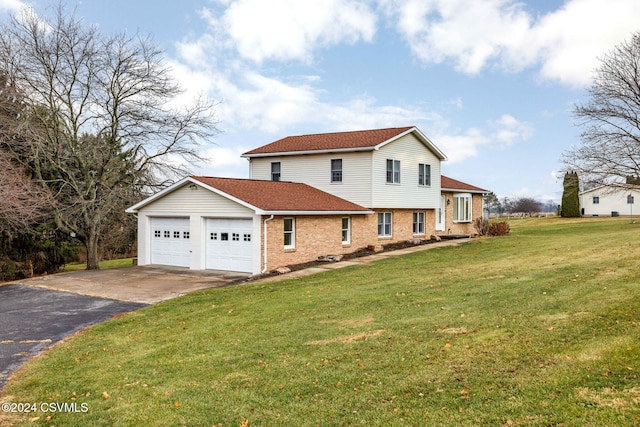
column 264, row 270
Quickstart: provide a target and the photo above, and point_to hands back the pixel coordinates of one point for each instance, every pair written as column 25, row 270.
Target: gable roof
column 447, row 183
column 267, row 197
column 612, row 188
column 363, row 140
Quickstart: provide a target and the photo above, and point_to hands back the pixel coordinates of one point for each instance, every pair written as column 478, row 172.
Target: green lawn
column 113, row 263
column 540, row 328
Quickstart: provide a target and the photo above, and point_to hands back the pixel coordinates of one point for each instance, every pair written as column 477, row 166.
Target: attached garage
column 170, row 241
column 221, row 223
column 229, row 243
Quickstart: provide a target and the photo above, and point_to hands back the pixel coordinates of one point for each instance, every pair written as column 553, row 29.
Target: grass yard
column 540, row 328
column 112, row 263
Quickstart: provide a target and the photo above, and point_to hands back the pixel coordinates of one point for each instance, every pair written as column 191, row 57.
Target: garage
column 170, row 241
column 229, row 244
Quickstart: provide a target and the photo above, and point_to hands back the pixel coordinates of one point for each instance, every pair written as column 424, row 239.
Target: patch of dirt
column 345, row 339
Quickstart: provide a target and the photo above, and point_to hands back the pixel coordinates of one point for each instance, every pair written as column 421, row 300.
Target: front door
column 440, row 214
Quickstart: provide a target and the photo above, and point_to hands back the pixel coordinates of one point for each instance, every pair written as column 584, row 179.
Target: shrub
column 498, row 229
column 481, row 225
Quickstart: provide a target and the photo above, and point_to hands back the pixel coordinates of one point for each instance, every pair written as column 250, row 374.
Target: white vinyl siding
column 315, row 170
column 199, row 201
column 410, row 152
column 609, row 200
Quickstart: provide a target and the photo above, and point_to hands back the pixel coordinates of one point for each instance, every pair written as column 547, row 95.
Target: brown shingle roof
column 329, row 141
column 447, row 183
column 280, row 196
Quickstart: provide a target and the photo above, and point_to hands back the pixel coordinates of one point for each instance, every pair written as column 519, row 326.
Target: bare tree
column 526, row 205
column 98, row 127
column 610, row 139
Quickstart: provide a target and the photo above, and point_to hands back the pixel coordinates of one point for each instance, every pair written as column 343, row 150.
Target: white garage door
column 170, row 241
column 229, row 243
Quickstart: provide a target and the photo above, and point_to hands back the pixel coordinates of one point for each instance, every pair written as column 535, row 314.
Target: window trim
column 424, row 175
column 292, row 233
column 465, row 208
column 420, row 217
column 277, row 173
column 384, row 224
column 393, row 168
column 336, row 174
column 346, row 230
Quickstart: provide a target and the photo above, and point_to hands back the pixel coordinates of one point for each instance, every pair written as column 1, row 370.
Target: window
column 596, row 200
column 336, row 170
column 346, row 230
column 384, row 224
column 235, row 237
column 214, row 236
column 176, row 234
column 418, row 223
column 185, row 235
column 630, row 199
column 289, row 233
column 393, row 171
column 247, row 237
column 167, row 234
column 157, row 233
column 224, row 236
column 424, row 174
column 275, row 171
column 462, row 208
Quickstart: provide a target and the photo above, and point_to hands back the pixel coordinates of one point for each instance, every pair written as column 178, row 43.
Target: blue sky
column 492, row 83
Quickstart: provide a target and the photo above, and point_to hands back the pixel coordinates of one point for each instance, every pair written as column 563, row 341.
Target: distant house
column 308, row 196
column 611, row 200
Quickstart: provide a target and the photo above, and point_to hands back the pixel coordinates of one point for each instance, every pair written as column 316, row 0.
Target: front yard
column 538, row 328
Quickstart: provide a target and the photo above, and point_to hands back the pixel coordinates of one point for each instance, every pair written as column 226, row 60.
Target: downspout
column 264, row 270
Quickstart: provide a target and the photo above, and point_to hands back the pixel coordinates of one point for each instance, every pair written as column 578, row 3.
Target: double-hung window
column 462, row 207
column 630, row 199
column 384, row 224
column 346, row 230
column 289, row 233
column 596, row 200
column 424, row 174
column 275, row 171
column 393, row 171
column 336, row 170
column 418, row 223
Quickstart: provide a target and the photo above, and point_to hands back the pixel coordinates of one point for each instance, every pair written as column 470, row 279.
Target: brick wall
column 322, row 235
column 462, row 227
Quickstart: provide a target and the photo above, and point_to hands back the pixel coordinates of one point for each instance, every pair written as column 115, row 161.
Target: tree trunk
column 92, row 251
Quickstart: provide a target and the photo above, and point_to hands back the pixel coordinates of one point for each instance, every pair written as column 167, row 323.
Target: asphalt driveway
column 33, row 319
column 36, row 313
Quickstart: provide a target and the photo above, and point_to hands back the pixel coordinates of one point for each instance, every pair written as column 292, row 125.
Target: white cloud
column 292, row 29
column 508, row 129
column 12, row 6
column 564, row 43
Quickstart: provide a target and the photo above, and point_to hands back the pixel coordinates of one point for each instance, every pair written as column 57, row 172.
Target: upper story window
column 630, row 199
column 424, row 174
column 336, row 170
column 462, row 207
column 275, row 171
column 596, row 200
column 393, row 171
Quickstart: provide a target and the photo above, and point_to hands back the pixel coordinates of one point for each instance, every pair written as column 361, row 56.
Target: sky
column 492, row 83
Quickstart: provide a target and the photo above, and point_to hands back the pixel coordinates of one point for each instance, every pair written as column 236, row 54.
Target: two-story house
column 307, row 196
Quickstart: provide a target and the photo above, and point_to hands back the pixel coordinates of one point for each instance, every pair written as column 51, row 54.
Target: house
column 610, row 200
column 308, row 196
